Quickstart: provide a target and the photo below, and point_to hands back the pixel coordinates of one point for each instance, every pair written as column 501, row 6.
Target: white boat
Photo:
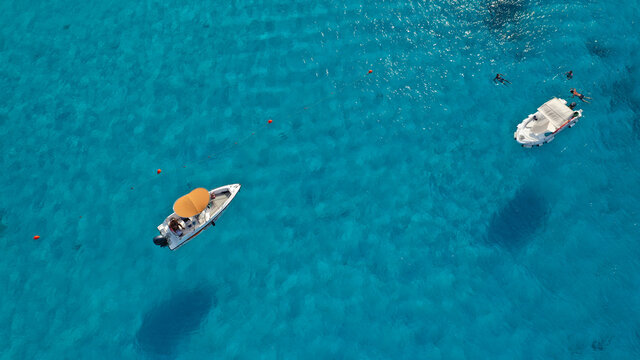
column 193, row 213
column 551, row 118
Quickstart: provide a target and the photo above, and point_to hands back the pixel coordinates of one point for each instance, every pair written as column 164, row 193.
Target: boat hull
column 528, row 138
column 195, row 225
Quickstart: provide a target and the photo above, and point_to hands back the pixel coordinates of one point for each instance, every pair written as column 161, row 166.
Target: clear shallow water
column 389, row 215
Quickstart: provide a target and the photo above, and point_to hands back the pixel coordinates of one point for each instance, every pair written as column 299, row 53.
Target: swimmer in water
column 569, row 75
column 501, row 79
column 580, row 96
column 572, row 105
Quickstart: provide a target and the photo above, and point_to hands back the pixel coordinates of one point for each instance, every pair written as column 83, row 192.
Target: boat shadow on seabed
column 514, row 225
column 167, row 324
column 3, row 227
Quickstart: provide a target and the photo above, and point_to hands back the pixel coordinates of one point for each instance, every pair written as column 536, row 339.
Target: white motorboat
column 551, row 118
column 193, row 213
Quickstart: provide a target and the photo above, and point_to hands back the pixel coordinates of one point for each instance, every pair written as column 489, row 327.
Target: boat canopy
column 192, row 204
column 556, row 111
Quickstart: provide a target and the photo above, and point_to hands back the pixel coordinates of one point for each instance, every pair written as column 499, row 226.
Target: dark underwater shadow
column 166, row 325
column 502, row 12
column 597, row 48
column 624, row 95
column 3, row 227
column 514, row 225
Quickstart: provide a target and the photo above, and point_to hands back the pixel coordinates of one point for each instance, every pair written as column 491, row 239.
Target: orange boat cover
column 192, row 204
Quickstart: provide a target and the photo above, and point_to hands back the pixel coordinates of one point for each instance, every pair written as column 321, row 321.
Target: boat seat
column 540, row 126
column 187, row 223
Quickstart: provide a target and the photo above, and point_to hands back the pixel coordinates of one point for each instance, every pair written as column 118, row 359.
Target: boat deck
column 190, row 227
column 216, row 203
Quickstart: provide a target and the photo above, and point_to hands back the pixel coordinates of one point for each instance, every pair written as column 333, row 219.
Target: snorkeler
column 580, row 96
column 501, row 79
column 569, row 75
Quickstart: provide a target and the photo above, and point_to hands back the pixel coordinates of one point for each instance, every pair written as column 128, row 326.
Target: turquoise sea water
column 383, row 215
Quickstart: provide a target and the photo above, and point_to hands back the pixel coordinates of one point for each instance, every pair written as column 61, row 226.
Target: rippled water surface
column 382, row 215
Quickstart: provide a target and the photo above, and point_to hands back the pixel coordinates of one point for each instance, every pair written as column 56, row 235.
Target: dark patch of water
column 625, row 95
column 600, row 344
column 167, row 324
column 502, row 12
column 519, row 219
column 597, row 48
column 3, row 227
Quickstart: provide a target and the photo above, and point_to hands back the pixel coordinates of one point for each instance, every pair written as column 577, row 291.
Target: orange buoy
column 36, row 237
column 159, row 171
column 370, row 71
column 270, row 121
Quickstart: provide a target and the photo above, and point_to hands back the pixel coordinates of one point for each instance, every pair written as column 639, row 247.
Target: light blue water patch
column 382, row 215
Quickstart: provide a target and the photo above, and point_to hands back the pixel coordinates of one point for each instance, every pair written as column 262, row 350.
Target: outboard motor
column 161, row 241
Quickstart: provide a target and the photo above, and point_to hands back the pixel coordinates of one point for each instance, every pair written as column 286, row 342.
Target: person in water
column 501, row 79
column 580, row 96
column 569, row 75
column 572, row 105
